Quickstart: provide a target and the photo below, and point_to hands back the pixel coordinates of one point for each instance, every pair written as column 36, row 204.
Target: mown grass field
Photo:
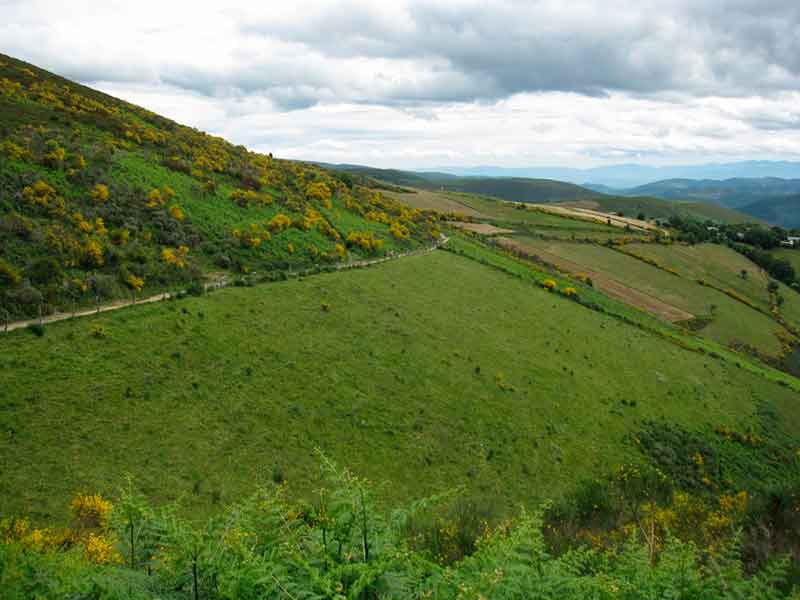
column 731, row 321
column 463, row 376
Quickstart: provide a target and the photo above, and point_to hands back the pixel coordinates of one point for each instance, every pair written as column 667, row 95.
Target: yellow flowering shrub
column 399, row 231
column 40, row 193
column 12, row 150
column 99, row 550
column 280, row 222
column 100, row 226
column 321, row 192
column 549, row 285
column 91, row 510
column 570, row 291
column 134, row 282
column 155, row 199
column 176, row 258
column 55, row 158
column 176, row 212
column 378, row 216
column 365, row 240
column 93, row 254
column 85, row 226
column 99, row 193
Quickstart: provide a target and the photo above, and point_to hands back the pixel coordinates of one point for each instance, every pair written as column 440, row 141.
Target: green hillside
column 529, row 404
column 101, row 199
column 418, row 383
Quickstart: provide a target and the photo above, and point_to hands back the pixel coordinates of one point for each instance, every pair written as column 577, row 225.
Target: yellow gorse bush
column 321, row 192
column 93, row 254
column 176, row 212
column 280, row 222
column 99, row 549
column 91, row 510
column 175, row 257
column 399, row 231
column 99, row 193
column 41, row 193
column 365, row 240
column 134, row 282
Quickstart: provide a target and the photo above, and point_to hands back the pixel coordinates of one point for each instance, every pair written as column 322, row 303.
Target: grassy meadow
column 466, row 376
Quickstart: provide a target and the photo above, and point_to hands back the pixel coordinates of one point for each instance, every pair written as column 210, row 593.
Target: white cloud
column 428, row 83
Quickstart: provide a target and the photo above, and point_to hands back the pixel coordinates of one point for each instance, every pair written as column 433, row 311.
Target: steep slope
column 100, row 198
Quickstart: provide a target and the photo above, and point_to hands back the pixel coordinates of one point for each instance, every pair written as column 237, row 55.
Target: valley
column 231, row 375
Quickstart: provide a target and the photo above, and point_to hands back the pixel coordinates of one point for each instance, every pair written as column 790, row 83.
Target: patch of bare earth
column 602, row 282
column 481, row 228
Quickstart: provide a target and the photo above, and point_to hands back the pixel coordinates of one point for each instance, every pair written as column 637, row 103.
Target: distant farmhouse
column 791, row 242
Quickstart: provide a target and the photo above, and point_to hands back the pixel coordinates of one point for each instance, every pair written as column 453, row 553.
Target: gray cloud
column 433, row 82
column 428, row 51
column 502, row 48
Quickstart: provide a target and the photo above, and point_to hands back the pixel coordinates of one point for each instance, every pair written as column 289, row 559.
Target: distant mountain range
column 769, row 198
column 632, row 175
column 519, row 189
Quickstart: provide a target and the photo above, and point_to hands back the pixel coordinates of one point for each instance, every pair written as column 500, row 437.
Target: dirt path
column 220, row 283
column 602, row 282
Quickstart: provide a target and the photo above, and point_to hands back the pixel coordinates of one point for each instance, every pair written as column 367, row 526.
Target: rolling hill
column 783, row 211
column 100, row 199
column 518, row 189
column 626, row 176
column 770, row 199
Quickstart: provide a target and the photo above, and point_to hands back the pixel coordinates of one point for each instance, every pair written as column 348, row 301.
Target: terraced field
column 729, row 322
column 717, row 264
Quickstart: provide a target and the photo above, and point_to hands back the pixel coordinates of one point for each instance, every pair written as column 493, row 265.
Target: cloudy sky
column 419, row 84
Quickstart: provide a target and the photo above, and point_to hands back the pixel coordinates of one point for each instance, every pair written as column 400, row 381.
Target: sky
column 430, row 83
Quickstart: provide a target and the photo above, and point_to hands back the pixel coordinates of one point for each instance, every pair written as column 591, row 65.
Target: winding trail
column 219, row 284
